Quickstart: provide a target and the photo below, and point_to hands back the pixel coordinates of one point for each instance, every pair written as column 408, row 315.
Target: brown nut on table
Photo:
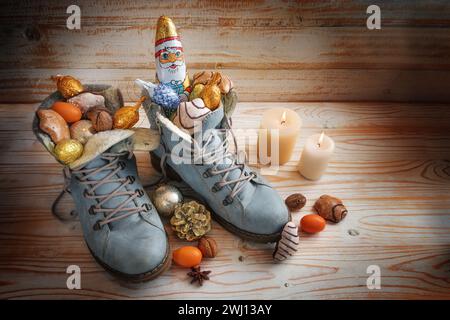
column 295, row 202
column 208, row 247
column 330, row 208
column 101, row 118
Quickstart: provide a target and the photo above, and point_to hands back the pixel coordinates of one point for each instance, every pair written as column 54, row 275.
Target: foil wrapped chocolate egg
column 68, row 150
column 126, row 117
column 68, row 86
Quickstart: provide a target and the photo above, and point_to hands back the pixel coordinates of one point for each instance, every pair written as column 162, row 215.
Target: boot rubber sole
column 246, row 235
column 137, row 278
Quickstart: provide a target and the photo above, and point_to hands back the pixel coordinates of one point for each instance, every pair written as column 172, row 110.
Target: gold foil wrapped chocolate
column 211, row 93
column 68, row 86
column 191, row 220
column 196, row 91
column 126, row 117
column 203, row 77
column 68, row 150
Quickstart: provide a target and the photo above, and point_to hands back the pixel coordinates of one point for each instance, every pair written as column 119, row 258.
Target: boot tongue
column 211, row 125
column 213, row 120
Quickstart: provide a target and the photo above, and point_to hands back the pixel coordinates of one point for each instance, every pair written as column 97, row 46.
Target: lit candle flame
column 321, row 138
column 283, row 118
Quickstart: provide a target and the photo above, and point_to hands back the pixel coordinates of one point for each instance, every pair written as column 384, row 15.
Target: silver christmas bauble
column 165, row 198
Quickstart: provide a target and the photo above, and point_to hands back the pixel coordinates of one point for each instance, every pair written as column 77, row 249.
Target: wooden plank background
column 391, row 168
column 274, row 50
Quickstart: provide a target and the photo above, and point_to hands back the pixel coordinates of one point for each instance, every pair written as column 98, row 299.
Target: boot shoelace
column 216, row 157
column 114, row 165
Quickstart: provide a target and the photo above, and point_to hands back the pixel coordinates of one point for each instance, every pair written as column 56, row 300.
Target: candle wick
column 283, row 122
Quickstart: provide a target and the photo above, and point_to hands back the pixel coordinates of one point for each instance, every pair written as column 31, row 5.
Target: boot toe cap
column 138, row 253
column 268, row 214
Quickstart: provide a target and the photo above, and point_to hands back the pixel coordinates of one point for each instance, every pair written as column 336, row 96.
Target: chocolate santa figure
column 169, row 58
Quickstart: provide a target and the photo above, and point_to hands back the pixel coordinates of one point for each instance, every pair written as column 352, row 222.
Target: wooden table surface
column 391, row 168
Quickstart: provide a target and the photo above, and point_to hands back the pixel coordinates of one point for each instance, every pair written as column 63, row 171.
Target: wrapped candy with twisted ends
column 211, row 92
column 287, row 245
column 128, row 116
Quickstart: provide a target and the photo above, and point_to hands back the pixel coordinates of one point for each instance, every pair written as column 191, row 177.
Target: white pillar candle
column 283, row 126
column 315, row 156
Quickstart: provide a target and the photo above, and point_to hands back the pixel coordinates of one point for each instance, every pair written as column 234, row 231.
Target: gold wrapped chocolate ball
column 126, row 117
column 211, row 93
column 68, row 86
column 191, row 220
column 68, row 150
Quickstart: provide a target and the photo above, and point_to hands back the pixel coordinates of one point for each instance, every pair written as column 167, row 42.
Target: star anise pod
column 198, row 276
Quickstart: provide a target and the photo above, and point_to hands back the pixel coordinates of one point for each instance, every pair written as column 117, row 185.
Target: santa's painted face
column 171, row 65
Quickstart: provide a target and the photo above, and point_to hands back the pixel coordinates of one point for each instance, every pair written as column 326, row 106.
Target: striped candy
column 288, row 243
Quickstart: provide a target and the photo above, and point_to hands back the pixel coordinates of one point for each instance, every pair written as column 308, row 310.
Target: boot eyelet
column 131, row 179
column 139, row 192
column 216, row 187
column 147, row 207
column 207, row 173
column 87, row 194
column 91, row 211
column 122, row 164
column 97, row 226
column 228, row 200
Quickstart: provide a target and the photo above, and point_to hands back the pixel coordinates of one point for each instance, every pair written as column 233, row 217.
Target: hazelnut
column 208, row 247
column 295, row 202
column 101, row 118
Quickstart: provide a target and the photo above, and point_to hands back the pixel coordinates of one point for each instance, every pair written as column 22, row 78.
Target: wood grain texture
column 274, row 50
column 239, row 13
column 255, row 85
column 391, row 168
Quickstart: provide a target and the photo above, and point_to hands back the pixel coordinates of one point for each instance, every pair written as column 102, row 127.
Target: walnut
column 208, row 247
column 101, row 118
column 295, row 202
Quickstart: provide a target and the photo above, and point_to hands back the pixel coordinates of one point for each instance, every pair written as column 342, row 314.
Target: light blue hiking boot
column 239, row 198
column 121, row 227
